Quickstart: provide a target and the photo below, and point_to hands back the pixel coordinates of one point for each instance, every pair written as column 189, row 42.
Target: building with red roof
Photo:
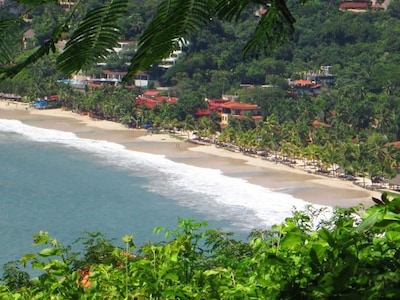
column 227, row 109
column 151, row 93
column 362, row 5
column 151, row 102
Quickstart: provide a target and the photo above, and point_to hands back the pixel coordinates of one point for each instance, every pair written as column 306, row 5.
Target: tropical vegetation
column 342, row 257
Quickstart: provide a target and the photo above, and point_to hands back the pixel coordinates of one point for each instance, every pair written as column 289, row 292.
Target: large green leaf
column 371, row 216
column 175, row 21
column 49, row 252
column 8, row 33
column 274, row 29
column 50, row 45
column 95, row 36
column 180, row 19
column 292, row 240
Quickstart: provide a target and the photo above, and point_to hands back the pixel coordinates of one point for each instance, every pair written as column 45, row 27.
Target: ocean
column 55, row 181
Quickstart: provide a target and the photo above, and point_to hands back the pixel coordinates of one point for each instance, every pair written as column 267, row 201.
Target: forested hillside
column 361, row 108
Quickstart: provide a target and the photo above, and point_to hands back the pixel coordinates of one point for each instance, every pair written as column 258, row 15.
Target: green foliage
column 174, row 21
column 14, row 277
column 345, row 256
column 96, row 34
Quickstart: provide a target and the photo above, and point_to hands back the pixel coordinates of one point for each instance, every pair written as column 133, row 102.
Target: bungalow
column 121, row 46
column 66, row 4
column 27, row 38
column 354, row 6
column 114, row 78
column 237, row 110
column 151, row 102
column 227, row 109
column 170, row 61
column 303, row 86
column 150, row 93
column 141, row 79
column 361, row 5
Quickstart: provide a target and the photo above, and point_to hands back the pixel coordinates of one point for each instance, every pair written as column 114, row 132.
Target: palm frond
column 275, row 28
column 231, row 10
column 179, row 19
column 10, row 72
column 10, row 26
column 8, row 34
column 175, row 20
column 93, row 38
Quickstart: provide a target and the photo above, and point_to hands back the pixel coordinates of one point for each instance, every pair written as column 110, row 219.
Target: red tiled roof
column 151, row 102
column 316, row 86
column 353, row 5
column 166, row 99
column 241, row 117
column 52, row 98
column 303, row 82
column 151, row 93
column 214, row 106
column 239, row 105
column 202, row 112
column 396, row 144
column 217, row 101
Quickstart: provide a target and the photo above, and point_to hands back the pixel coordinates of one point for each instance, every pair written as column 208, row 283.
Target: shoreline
column 312, row 188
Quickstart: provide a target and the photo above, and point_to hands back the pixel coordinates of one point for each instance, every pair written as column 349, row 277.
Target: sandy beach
column 312, row 188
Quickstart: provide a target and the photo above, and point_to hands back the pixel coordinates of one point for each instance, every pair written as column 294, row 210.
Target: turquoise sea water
column 54, row 181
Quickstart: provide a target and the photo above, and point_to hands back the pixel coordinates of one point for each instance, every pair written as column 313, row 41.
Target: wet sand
column 295, row 181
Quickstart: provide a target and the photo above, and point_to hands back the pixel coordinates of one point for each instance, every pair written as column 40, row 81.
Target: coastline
column 312, row 188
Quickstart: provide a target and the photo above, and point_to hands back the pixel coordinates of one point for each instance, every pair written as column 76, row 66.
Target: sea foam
column 204, row 190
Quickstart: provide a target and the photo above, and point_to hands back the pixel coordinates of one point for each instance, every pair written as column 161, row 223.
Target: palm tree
column 188, row 124
column 332, row 156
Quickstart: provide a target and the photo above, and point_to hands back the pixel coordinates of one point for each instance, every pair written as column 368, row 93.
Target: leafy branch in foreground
column 347, row 256
column 174, row 22
column 96, row 34
column 178, row 20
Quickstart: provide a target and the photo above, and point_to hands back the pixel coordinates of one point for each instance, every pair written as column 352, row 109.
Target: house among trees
column 121, row 46
column 324, row 75
column 227, row 109
column 170, row 61
column 303, row 86
column 362, row 5
column 237, row 110
column 114, row 78
column 66, row 4
column 152, row 98
column 27, row 38
column 312, row 82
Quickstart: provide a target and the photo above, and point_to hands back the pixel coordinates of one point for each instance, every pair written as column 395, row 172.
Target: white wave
column 205, row 190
